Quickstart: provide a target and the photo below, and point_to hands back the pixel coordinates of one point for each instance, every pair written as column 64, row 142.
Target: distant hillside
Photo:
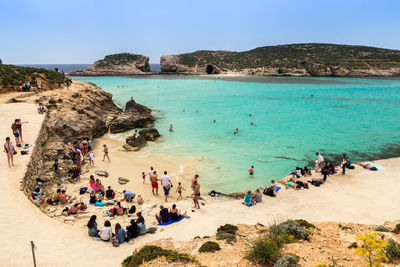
column 291, row 60
column 117, row 64
column 10, row 75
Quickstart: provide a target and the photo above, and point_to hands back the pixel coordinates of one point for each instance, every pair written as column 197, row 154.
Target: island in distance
column 313, row 59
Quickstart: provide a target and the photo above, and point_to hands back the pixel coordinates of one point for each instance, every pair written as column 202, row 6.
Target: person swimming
column 251, row 170
column 171, row 128
column 236, row 131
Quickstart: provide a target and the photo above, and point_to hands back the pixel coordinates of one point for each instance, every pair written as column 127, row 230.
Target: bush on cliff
column 149, row 253
column 209, row 246
column 287, row 228
column 227, row 232
column 264, row 251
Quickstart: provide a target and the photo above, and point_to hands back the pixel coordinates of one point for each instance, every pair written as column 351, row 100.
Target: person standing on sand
column 144, row 177
column 78, row 158
column 9, row 150
column 105, row 149
column 166, row 183
column 151, row 171
column 320, row 162
column 14, row 128
column 179, row 191
column 19, row 127
column 194, row 179
column 196, row 195
column 154, row 182
column 91, row 157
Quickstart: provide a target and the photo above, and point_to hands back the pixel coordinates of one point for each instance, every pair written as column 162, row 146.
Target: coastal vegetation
column 117, row 59
column 11, row 75
column 209, row 246
column 372, row 249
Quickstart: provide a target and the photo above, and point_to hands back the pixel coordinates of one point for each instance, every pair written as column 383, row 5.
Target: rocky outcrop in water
column 134, row 116
column 134, row 143
column 289, row 60
column 117, row 65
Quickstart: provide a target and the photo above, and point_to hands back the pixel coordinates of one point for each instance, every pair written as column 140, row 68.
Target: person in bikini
column 105, row 149
column 9, row 150
column 154, row 182
column 194, row 179
column 196, row 195
column 179, row 191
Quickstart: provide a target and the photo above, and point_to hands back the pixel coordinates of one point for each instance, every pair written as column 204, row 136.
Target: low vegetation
column 396, row 230
column 392, row 250
column 116, row 59
column 209, row 246
column 372, row 249
column 287, row 261
column 227, row 232
column 149, row 253
column 382, row 229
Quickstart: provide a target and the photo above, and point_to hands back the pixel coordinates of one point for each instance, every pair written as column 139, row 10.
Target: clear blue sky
column 58, row 31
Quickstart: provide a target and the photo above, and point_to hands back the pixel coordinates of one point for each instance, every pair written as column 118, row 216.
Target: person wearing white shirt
column 320, row 162
column 166, row 183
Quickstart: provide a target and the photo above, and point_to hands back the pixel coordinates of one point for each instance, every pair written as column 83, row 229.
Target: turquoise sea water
column 358, row 116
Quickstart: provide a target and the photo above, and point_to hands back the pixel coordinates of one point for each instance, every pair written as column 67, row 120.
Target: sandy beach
column 348, row 198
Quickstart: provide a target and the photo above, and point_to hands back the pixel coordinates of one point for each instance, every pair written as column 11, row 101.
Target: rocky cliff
column 289, row 60
column 117, row 65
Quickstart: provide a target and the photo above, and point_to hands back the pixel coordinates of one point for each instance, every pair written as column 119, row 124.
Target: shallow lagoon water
column 355, row 115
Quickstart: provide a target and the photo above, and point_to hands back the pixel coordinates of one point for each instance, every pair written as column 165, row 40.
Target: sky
column 78, row 32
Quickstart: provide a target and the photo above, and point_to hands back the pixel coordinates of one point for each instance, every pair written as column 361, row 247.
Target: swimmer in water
column 236, row 131
column 251, row 170
column 215, row 121
column 171, row 127
column 249, row 115
column 252, row 123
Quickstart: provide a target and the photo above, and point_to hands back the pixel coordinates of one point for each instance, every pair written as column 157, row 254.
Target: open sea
column 293, row 118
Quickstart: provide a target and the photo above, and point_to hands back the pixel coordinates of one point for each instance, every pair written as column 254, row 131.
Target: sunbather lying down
column 367, row 166
column 296, row 185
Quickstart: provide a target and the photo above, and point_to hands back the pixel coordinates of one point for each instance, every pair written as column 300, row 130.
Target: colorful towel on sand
column 376, row 166
column 278, row 188
column 248, row 205
column 171, row 221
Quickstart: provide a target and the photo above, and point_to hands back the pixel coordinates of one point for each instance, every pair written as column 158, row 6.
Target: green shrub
column 148, row 253
column 73, row 108
column 382, row 228
column 393, row 250
column 13, row 100
column 305, row 224
column 353, row 245
column 228, row 228
column 226, row 236
column 264, row 252
column 60, row 100
column 289, row 227
column 209, row 246
column 397, row 229
column 52, row 101
column 287, row 261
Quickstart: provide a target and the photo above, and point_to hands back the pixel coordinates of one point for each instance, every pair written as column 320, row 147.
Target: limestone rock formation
column 289, row 60
column 150, row 134
column 134, row 116
column 134, row 143
column 117, row 65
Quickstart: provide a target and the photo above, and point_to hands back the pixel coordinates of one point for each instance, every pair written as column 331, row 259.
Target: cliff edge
column 289, row 60
column 117, row 65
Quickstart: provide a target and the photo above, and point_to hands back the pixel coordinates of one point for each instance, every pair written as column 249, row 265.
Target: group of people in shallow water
column 296, row 180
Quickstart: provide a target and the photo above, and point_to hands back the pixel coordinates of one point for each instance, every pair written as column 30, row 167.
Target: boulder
column 134, row 116
column 136, row 142
column 150, row 134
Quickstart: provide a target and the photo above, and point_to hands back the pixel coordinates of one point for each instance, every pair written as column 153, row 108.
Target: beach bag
column 115, row 242
column 132, row 210
column 83, row 190
column 99, row 204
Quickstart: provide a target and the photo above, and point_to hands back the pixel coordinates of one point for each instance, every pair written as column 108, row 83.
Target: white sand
column 361, row 196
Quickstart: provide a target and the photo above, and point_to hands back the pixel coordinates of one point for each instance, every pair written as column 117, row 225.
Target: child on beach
column 105, row 149
column 140, row 200
column 143, row 176
column 91, row 157
column 179, row 190
column 9, row 150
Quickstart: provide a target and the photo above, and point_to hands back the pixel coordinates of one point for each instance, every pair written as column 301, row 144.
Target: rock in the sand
column 136, row 142
column 69, row 219
column 109, row 202
column 122, row 180
column 236, row 195
column 101, row 173
column 134, row 116
column 150, row 134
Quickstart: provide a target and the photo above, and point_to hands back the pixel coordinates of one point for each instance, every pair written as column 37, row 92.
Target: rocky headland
column 312, row 59
column 117, row 65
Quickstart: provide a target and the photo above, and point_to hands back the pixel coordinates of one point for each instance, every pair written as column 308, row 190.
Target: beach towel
column 248, row 205
column 376, row 166
column 171, row 221
column 278, row 188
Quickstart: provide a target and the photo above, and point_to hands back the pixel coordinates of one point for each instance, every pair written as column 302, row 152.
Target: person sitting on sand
column 105, row 232
column 367, row 166
column 120, row 233
column 56, row 196
column 154, row 182
column 77, row 208
column 118, row 210
column 270, row 190
column 141, row 223
column 331, row 168
column 92, row 182
column 92, row 227
column 179, row 191
column 236, row 131
column 9, row 150
column 58, row 173
column 100, row 187
column 110, row 194
column 93, row 198
column 75, row 173
column 251, row 170
column 257, row 196
column 41, row 109
column 247, row 198
column 296, row 173
column 163, row 215
column 132, row 230
column 288, row 183
column 307, row 171
column 140, row 200
column 65, row 199
column 175, row 214
column 129, row 195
